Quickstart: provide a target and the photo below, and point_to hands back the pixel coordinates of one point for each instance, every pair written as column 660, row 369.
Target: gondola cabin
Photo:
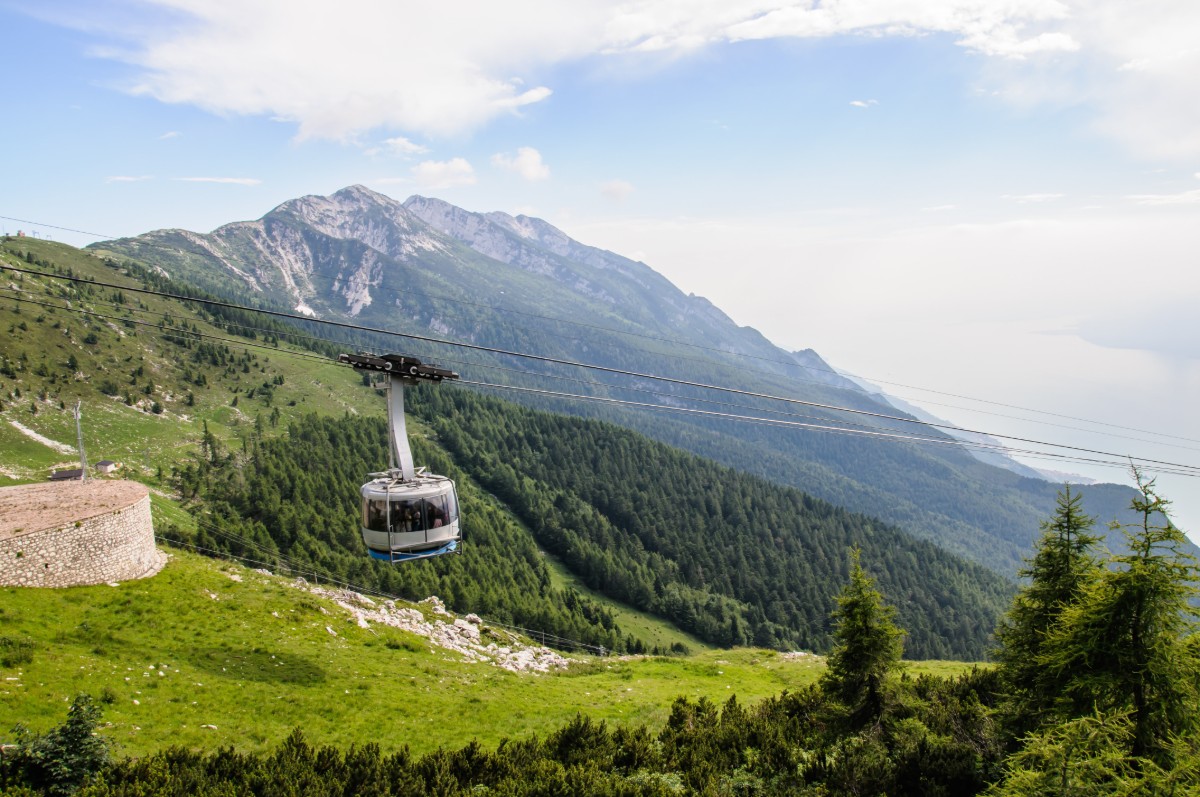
column 410, row 519
column 406, row 513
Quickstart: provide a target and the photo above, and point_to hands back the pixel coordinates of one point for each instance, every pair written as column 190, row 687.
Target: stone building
column 66, row 534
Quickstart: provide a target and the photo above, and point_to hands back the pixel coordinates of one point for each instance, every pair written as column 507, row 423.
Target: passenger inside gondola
column 406, row 516
column 376, row 519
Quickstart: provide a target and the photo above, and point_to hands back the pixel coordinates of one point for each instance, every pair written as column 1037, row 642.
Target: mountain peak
column 361, row 196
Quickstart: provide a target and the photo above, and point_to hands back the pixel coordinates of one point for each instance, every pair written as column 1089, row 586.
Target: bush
column 15, row 652
column 59, row 761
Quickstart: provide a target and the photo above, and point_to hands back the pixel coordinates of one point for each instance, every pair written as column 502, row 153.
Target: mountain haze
column 429, row 268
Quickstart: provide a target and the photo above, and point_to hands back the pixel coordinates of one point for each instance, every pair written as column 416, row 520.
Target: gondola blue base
column 409, row 556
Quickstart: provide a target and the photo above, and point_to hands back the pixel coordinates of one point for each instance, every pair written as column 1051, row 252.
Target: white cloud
column 1138, row 72
column 1027, row 199
column 400, row 146
column 444, row 174
column 617, row 190
column 418, row 67
column 527, row 163
column 123, row 178
column 222, row 180
column 169, row 134
column 1183, row 198
column 339, row 71
column 981, row 25
column 863, row 103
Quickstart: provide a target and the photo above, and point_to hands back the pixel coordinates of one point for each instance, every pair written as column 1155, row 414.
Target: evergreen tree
column 867, row 646
column 1125, row 645
column 59, row 761
column 1061, row 567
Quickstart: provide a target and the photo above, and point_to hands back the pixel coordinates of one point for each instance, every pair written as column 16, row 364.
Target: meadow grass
column 257, row 657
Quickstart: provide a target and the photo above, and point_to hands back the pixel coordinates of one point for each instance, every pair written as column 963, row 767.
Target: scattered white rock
column 234, row 577
column 331, row 631
column 210, row 727
column 435, row 605
column 468, row 630
column 463, row 636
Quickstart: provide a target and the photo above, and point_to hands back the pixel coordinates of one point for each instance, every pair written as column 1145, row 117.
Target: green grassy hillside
column 211, row 643
column 122, row 366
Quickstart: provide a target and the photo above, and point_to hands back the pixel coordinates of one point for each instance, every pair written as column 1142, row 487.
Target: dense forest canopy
column 733, row 559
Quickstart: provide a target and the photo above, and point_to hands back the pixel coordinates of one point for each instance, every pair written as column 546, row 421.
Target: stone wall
column 116, row 545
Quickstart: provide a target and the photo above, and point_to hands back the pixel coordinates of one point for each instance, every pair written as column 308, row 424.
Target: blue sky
column 995, row 199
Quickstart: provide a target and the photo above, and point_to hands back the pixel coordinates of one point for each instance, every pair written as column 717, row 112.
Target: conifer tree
column 1061, row 567
column 60, row 760
column 867, row 646
column 1127, row 644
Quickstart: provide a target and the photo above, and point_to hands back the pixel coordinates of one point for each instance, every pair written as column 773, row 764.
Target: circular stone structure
column 65, row 534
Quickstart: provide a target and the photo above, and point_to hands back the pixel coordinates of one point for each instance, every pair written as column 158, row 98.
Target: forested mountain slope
column 517, row 283
column 269, row 447
column 733, row 559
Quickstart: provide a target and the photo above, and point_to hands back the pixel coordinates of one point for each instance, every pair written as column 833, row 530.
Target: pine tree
column 867, row 646
column 1125, row 646
column 1061, row 567
column 60, row 760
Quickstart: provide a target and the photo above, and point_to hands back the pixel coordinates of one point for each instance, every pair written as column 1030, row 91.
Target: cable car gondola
column 407, row 513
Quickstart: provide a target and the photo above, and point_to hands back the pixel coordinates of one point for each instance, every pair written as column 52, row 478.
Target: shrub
column 15, row 652
column 59, row 761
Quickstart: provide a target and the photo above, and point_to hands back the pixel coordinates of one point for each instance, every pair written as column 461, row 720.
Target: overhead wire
column 591, row 366
column 853, row 386
column 1183, row 470
column 870, row 432
column 172, row 332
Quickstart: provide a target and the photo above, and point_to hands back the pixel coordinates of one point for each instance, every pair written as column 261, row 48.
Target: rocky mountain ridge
column 516, row 283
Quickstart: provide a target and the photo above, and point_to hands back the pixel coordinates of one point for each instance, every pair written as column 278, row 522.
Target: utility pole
column 79, row 436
